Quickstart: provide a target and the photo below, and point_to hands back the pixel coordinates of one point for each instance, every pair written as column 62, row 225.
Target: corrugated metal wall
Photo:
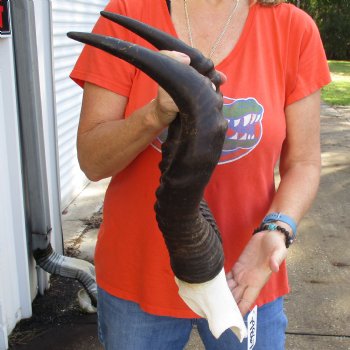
column 72, row 15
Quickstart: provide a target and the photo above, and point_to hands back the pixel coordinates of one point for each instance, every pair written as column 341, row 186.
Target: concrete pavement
column 318, row 307
column 319, row 263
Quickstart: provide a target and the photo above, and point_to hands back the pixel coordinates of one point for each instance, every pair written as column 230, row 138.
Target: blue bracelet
column 283, row 218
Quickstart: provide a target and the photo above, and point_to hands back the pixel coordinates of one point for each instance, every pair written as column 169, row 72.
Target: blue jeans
column 124, row 326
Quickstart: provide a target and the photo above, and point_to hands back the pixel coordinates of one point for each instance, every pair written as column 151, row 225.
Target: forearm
column 110, row 146
column 297, row 189
column 300, row 162
column 108, row 142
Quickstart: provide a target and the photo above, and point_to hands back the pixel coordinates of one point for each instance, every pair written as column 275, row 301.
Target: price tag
column 252, row 323
column 5, row 23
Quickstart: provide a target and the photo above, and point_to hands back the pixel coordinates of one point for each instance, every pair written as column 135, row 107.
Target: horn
column 189, row 154
column 164, row 41
column 159, row 67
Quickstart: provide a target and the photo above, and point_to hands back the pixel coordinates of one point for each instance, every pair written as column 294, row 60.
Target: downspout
column 33, row 154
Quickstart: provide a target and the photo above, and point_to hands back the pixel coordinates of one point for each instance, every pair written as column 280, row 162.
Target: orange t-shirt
column 278, row 60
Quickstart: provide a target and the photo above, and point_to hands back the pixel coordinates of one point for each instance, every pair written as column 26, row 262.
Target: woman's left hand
column 263, row 255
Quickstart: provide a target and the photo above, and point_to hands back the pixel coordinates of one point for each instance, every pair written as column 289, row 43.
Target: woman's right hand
column 101, row 154
column 165, row 109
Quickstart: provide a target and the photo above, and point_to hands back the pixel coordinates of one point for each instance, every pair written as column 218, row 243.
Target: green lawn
column 338, row 91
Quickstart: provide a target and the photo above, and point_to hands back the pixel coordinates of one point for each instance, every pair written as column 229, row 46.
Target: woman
column 274, row 63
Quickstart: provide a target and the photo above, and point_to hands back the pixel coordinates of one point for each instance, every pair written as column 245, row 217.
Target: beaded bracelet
column 274, row 227
column 273, row 217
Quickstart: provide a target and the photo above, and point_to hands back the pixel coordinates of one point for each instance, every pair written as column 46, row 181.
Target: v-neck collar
column 240, row 42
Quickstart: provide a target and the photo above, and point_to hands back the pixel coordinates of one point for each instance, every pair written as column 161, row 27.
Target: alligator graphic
column 244, row 131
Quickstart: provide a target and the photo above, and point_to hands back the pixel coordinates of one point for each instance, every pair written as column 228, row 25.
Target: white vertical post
column 44, row 46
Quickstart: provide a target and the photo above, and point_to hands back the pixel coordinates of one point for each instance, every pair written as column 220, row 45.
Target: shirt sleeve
column 307, row 69
column 100, row 68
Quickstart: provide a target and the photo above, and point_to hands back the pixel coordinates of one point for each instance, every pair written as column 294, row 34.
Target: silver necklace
column 221, row 34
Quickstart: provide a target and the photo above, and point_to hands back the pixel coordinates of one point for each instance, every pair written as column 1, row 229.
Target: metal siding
column 15, row 295
column 73, row 15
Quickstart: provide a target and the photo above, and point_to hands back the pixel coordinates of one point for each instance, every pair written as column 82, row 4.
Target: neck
column 223, row 31
column 212, row 3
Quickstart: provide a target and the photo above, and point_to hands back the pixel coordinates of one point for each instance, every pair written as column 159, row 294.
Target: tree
column 333, row 20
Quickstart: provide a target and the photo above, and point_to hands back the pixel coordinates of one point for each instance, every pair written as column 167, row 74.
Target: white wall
column 69, row 15
column 15, row 291
column 61, row 98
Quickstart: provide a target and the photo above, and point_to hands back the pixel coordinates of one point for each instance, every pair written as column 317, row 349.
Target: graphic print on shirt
column 244, row 132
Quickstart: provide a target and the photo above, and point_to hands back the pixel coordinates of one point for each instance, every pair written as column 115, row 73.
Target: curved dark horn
column 159, row 67
column 189, row 156
column 164, row 41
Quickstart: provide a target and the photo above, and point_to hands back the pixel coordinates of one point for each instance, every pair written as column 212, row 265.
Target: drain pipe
column 33, row 154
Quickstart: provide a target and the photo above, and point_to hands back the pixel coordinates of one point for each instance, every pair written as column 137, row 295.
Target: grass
column 338, row 91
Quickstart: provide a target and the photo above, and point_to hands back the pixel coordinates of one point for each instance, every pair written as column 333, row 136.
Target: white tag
column 252, row 323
